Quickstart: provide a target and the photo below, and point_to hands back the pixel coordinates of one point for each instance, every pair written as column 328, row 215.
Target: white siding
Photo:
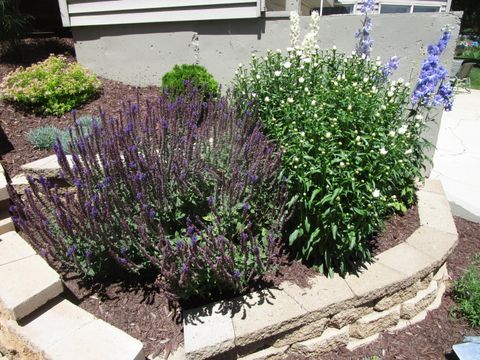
column 110, row 12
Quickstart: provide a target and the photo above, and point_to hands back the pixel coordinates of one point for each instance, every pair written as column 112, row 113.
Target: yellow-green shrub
column 51, row 87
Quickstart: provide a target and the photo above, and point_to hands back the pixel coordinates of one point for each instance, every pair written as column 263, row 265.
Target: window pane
column 417, row 8
column 390, row 9
column 335, row 10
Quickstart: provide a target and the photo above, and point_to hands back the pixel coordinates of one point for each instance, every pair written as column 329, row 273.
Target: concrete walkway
column 457, row 157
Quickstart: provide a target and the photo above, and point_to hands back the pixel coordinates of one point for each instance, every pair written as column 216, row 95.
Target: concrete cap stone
column 433, row 242
column 325, row 295
column 208, row 331
column 27, row 284
column 47, row 167
column 52, row 323
column 96, row 340
column 375, row 281
column 408, row 260
column 262, row 314
column 13, row 247
column 434, row 211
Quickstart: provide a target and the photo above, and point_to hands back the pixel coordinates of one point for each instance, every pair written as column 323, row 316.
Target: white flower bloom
column 400, row 80
column 279, row 51
column 334, row 47
column 365, row 79
column 364, row 56
column 254, row 95
column 313, row 102
column 278, row 73
column 390, row 94
column 267, row 99
column 407, row 84
column 301, row 80
column 383, row 151
column 253, row 55
column 379, row 58
column 294, row 28
column 349, row 107
column 240, row 65
column 258, row 77
column 290, row 100
column 418, row 117
column 403, row 129
column 299, row 52
column 342, row 164
column 376, row 193
column 383, row 107
column 287, row 64
column 408, row 152
column 210, row 141
column 302, row 133
column 391, row 133
column 328, row 135
column 307, row 60
column 306, row 89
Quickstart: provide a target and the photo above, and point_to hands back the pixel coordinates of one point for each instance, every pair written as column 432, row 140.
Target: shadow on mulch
column 32, row 50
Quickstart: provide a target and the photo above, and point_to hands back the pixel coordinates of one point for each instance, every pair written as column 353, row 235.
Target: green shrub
column 51, row 87
column 467, row 293
column 351, row 150
column 471, row 53
column 85, row 124
column 196, row 75
column 43, row 137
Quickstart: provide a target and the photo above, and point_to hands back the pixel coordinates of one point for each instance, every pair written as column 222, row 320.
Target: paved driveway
column 457, row 157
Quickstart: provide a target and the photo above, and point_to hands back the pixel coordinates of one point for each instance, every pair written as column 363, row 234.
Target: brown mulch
column 15, row 150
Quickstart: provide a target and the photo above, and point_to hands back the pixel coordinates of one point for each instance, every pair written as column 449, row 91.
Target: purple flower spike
column 391, row 66
column 71, row 251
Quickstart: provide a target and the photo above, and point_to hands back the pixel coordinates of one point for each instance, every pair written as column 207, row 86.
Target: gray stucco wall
column 140, row 54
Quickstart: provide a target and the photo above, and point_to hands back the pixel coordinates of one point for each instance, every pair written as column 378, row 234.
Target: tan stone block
column 434, row 186
column 413, row 306
column 27, row 284
column 404, row 323
column 434, row 243
column 374, row 323
column 53, row 324
column 96, row 340
column 434, row 211
column 305, row 332
column 270, row 353
column 437, row 302
column 398, row 298
column 208, row 331
column 407, row 260
column 13, row 247
column 324, row 297
column 349, row 316
column 6, row 222
column 376, row 281
column 329, row 340
column 20, row 183
column 442, row 273
column 47, row 167
column 263, row 314
column 358, row 343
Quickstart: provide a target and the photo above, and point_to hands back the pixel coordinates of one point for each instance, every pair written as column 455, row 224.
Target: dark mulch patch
column 15, row 123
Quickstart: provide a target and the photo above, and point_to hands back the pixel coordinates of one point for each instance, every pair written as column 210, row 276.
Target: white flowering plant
column 352, row 149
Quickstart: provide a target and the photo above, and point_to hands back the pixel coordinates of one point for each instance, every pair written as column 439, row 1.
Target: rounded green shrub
column 51, row 87
column 43, row 137
column 177, row 79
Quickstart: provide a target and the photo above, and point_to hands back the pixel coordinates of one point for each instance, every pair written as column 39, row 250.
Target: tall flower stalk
column 365, row 41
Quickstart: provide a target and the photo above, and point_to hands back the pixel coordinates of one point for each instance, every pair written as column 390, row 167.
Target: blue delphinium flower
column 390, row 66
column 432, row 88
column 365, row 41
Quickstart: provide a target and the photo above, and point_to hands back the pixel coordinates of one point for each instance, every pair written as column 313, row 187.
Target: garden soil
column 139, row 310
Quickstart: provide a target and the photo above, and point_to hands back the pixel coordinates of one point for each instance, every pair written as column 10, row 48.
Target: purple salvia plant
column 186, row 188
column 390, row 66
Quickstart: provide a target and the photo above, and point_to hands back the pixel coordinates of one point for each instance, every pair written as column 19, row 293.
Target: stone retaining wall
column 394, row 291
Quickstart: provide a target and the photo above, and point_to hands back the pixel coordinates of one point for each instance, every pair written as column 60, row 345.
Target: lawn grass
column 475, row 78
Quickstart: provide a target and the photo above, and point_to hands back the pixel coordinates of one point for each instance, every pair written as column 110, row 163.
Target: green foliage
column 176, row 79
column 51, row 87
column 12, row 22
column 467, row 293
column 475, row 78
column 351, row 150
column 43, row 137
column 471, row 53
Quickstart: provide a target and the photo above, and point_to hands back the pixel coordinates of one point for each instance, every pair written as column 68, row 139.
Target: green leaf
column 307, row 224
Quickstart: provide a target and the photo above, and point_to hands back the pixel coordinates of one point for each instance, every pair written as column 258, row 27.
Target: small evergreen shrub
column 43, row 137
column 51, row 87
column 180, row 76
column 12, row 22
column 467, row 293
column 199, row 205
column 352, row 138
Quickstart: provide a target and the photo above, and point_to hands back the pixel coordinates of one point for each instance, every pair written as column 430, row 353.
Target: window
column 393, row 9
column 418, row 8
column 275, row 5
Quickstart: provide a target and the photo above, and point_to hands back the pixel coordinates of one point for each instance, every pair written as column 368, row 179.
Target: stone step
column 3, row 185
column 6, row 223
column 20, row 183
column 27, row 280
column 47, row 167
column 61, row 330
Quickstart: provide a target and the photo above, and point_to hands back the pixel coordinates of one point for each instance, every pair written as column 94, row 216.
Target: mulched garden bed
column 139, row 310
